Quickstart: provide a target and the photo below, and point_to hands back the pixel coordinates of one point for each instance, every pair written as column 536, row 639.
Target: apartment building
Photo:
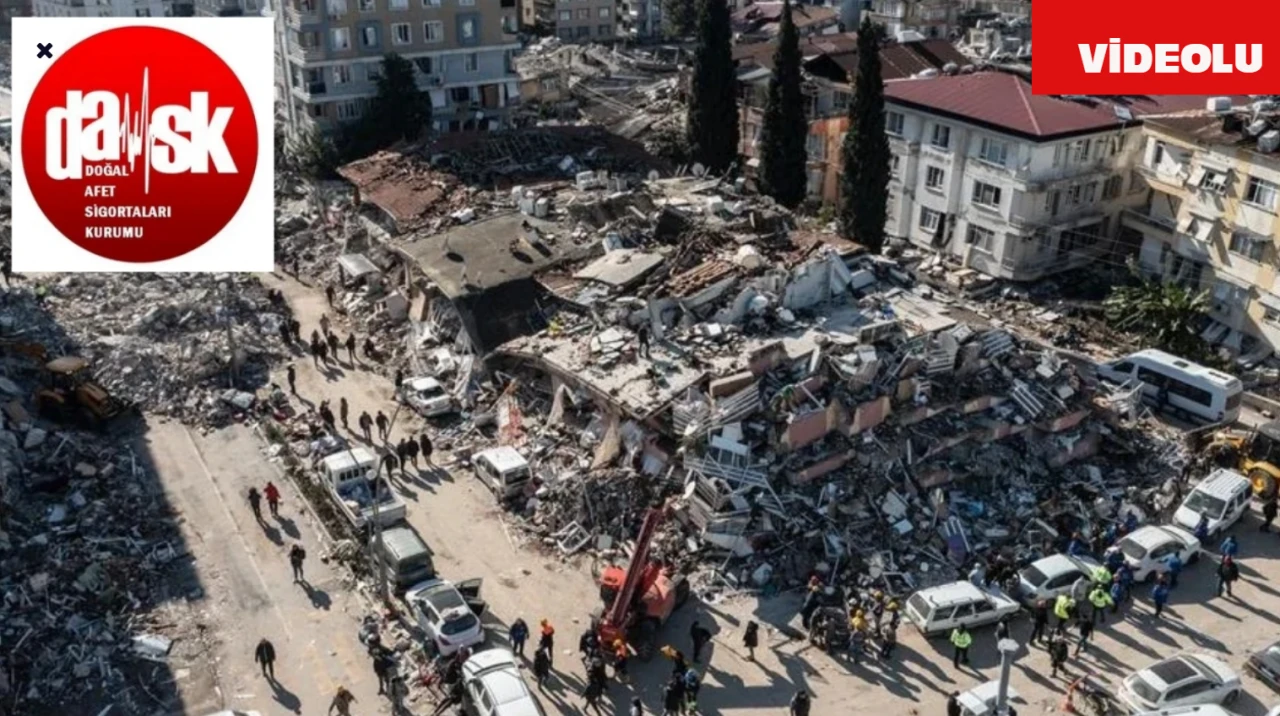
column 330, row 54
column 930, row 18
column 229, row 8
column 1209, row 220
column 640, row 19
column 102, row 8
column 572, row 20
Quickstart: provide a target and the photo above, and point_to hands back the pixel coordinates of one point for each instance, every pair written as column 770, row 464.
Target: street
column 315, row 631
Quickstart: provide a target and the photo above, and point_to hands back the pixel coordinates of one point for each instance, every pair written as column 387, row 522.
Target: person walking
column 334, row 345
column 272, row 494
column 328, row 294
column 402, row 452
column 344, row 410
column 351, row 348
column 265, row 656
column 1160, row 597
column 751, row 639
column 961, row 640
column 1228, row 573
column 1230, row 547
column 1063, row 607
column 411, row 448
column 424, row 443
column 546, row 637
column 673, row 697
column 953, row 704
column 255, row 503
column 382, row 668
column 291, row 374
column 389, row 464
column 326, row 416
column 519, row 633
column 382, row 423
column 700, row 635
column 800, row 703
column 399, row 378
column 1117, row 595
column 1040, row 621
column 285, row 336
column 1086, row 631
column 366, row 425
column 322, row 350
column 642, row 336
column 1101, row 600
column 1202, row 529
column 541, row 667
column 342, row 702
column 1269, row 509
column 296, row 556
column 592, row 692
column 324, row 323
column 295, row 329
column 888, row 641
column 1174, row 565
column 1057, row 655
column 620, row 656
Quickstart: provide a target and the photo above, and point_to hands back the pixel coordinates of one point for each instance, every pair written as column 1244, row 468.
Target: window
column 400, row 33
column 1090, row 192
column 348, row 110
column 1080, row 151
column 431, row 3
column 1135, row 183
column 929, row 219
column 934, row 177
column 986, row 194
column 605, row 13
column 1213, row 180
column 470, row 62
column 581, row 31
column 816, row 148
column 425, row 65
column 340, row 38
column 1117, row 144
column 1058, row 153
column 145, row 12
column 1073, row 194
column 941, row 136
column 1248, row 245
column 1051, row 200
column 460, row 95
column 584, row 13
column 336, row 8
column 341, row 74
column 981, row 237
column 1112, row 188
column 993, row 152
column 369, row 36
column 1196, row 226
column 893, row 122
column 566, row 15
column 1261, row 193
column 509, row 24
column 895, row 162
column 368, row 5
column 398, row 4
column 373, row 71
column 433, row 31
column 467, row 29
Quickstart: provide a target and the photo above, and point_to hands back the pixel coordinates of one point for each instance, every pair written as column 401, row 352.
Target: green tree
column 783, row 154
column 713, row 101
column 677, row 18
column 1167, row 316
column 864, row 183
column 398, row 112
column 316, row 155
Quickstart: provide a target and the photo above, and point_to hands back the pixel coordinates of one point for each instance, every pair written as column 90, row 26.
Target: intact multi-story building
column 572, row 20
column 330, row 55
column 640, row 19
column 1210, row 221
column 229, row 8
column 101, row 8
column 931, row 18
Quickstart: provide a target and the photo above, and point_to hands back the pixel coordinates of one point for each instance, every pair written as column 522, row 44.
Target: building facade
column 330, row 55
column 931, row 18
column 229, row 8
column 1209, row 220
column 102, row 8
column 640, row 19
column 572, row 20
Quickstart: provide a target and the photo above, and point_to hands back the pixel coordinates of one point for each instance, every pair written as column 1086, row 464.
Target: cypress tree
column 783, row 154
column 713, row 101
column 864, row 183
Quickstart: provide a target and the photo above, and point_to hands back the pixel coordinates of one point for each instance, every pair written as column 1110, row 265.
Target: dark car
column 1265, row 664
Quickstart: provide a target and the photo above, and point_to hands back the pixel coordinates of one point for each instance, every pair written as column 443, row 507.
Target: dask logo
column 1088, row 47
column 145, row 145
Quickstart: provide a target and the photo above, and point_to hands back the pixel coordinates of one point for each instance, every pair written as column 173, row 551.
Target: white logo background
column 247, row 243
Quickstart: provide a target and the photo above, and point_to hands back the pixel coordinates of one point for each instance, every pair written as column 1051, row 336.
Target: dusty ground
column 467, row 532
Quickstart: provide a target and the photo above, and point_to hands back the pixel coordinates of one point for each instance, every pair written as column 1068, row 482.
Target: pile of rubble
column 173, row 344
column 93, row 573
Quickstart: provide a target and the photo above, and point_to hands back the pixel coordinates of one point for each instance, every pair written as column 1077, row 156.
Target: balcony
column 1144, row 221
column 300, row 16
column 307, row 90
column 1175, row 179
column 306, row 53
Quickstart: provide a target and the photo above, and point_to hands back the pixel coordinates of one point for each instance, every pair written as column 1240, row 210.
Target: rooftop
column 1231, row 130
column 765, row 16
column 486, row 253
column 838, row 56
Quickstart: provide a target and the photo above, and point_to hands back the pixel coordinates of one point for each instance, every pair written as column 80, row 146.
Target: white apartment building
column 1014, row 185
column 104, row 8
column 1210, row 219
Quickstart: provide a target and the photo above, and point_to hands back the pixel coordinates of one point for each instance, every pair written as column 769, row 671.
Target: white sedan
column 1148, row 549
column 426, row 396
column 444, row 615
column 1182, row 680
column 1052, row 576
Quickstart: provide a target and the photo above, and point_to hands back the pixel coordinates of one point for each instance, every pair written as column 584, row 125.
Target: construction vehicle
column 1254, row 453
column 639, row 599
column 70, row 394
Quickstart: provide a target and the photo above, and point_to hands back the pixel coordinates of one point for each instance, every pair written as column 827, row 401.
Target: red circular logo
column 139, row 144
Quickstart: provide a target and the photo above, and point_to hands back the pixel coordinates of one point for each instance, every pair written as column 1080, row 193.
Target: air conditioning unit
column 1269, row 142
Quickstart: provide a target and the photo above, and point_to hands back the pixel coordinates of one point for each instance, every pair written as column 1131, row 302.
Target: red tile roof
column 1004, row 101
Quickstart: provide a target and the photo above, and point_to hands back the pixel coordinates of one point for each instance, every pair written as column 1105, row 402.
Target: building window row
column 433, row 32
column 338, row 8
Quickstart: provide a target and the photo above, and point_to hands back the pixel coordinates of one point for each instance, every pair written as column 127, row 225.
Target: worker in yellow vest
column 1101, row 601
column 961, row 639
column 1062, row 609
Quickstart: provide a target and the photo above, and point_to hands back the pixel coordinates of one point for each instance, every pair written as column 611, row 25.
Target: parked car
column 494, row 686
column 1052, row 576
column 448, row 619
column 938, row 610
column 1265, row 664
column 1147, row 549
column 1181, row 680
column 1201, row 710
column 1223, row 497
column 427, row 397
column 503, row 470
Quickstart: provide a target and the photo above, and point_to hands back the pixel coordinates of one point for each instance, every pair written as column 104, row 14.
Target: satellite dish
column 654, row 175
column 699, row 170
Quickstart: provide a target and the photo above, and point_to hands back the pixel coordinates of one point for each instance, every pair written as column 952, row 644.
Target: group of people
column 874, row 617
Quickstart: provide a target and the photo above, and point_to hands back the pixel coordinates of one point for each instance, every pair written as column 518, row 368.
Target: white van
column 938, row 610
column 504, row 470
column 1187, row 388
column 1223, row 497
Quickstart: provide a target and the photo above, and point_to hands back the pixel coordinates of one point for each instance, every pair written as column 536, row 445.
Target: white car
column 1148, row 549
column 1053, row 576
column 493, row 686
column 938, row 610
column 444, row 615
column 426, row 396
column 1221, row 499
column 1182, row 680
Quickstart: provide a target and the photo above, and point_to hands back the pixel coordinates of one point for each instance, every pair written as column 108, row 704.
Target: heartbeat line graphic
column 135, row 132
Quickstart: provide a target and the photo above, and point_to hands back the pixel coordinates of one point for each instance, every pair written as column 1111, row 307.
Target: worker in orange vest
column 547, row 638
column 620, row 655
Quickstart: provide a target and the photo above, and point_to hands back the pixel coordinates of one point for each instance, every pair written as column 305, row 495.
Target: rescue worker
column 620, row 656
column 751, row 639
column 1101, row 599
column 857, row 645
column 812, row 599
column 858, row 622
column 589, row 641
column 1101, row 575
column 546, row 638
column 889, row 641
column 1062, row 609
column 961, row 640
column 895, row 614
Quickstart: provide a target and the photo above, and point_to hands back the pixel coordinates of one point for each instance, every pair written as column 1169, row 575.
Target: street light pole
column 379, row 569
column 1007, row 648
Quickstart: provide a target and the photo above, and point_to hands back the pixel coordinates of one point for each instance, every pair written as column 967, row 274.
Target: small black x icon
column 44, row 48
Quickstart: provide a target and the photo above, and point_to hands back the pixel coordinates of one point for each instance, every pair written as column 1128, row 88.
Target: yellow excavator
column 1255, row 453
column 70, row 394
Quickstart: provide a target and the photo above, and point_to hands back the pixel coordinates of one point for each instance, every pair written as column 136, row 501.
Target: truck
column 361, row 493
column 640, row 598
